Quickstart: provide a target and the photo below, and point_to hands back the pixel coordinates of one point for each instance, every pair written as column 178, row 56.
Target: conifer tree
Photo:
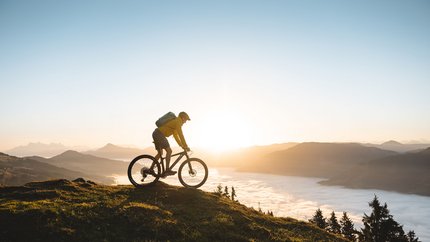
column 270, row 213
column 347, row 227
column 219, row 190
column 233, row 194
column 333, row 224
column 411, row 236
column 318, row 219
column 380, row 225
column 226, row 192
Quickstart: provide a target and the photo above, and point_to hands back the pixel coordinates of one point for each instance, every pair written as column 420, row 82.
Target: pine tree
column 411, row 236
column 233, row 194
column 219, row 190
column 347, row 227
column 318, row 219
column 226, row 192
column 333, row 224
column 380, row 225
column 259, row 208
column 270, row 213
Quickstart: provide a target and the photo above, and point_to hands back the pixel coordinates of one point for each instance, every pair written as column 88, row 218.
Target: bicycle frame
column 180, row 154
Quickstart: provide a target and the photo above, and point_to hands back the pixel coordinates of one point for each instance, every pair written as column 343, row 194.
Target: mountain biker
column 161, row 133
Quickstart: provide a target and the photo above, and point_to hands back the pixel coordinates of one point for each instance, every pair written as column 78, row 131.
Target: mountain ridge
column 18, row 171
column 111, row 151
column 399, row 147
column 74, row 160
column 315, row 159
column 406, row 173
column 37, row 148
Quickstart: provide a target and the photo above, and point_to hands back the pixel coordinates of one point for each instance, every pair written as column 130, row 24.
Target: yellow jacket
column 174, row 127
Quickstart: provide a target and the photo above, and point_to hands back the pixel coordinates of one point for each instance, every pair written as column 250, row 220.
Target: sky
column 89, row 73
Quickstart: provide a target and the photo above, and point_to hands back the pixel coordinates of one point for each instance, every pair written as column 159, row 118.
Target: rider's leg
column 158, row 157
column 168, row 155
column 159, row 154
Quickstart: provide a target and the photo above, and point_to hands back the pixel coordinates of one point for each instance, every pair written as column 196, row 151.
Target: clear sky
column 247, row 72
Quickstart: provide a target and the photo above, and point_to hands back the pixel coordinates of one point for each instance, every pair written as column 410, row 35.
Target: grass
column 62, row 210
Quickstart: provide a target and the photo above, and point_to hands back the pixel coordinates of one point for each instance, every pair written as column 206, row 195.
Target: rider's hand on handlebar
column 187, row 149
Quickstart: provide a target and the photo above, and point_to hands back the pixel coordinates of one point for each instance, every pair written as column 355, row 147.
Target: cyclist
column 161, row 143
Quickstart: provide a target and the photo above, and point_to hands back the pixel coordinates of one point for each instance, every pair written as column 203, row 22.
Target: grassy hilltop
column 63, row 210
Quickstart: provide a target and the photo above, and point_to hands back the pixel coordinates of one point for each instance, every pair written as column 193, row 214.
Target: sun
column 220, row 131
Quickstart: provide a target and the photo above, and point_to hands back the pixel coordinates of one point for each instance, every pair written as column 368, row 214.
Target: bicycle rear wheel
column 143, row 170
column 193, row 173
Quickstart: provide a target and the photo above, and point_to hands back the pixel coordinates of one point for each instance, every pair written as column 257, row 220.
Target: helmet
column 184, row 115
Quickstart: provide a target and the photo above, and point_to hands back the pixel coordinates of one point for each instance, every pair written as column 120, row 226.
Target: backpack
column 165, row 118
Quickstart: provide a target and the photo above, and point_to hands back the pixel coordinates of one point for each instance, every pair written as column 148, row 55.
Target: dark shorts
column 160, row 141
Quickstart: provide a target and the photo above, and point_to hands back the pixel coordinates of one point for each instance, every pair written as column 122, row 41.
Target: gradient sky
column 247, row 72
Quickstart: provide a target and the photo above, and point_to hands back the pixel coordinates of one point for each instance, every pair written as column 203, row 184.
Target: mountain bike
column 145, row 170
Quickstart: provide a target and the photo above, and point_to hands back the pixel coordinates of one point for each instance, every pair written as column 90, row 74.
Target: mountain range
column 350, row 164
column 247, row 156
column 76, row 161
column 406, row 173
column 109, row 151
column 39, row 149
column 112, row 151
column 399, row 147
column 315, row 159
column 18, row 171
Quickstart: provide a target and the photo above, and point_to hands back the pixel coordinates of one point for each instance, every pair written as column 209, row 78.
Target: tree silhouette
column 333, row 225
column 259, row 208
column 233, row 194
column 411, row 236
column 318, row 219
column 380, row 225
column 347, row 227
column 226, row 192
column 219, row 190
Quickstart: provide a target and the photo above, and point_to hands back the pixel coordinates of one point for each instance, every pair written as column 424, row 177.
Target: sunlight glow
column 222, row 130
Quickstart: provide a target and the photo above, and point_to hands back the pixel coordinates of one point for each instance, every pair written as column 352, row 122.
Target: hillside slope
column 249, row 156
column 39, row 149
column 399, row 147
column 85, row 211
column 77, row 161
column 111, row 151
column 317, row 159
column 18, row 171
column 407, row 173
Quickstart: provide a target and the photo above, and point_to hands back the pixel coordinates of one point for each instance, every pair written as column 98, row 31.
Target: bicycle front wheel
column 193, row 173
column 143, row 170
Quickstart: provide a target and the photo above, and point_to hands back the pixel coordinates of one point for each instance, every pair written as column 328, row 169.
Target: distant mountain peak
column 69, row 153
column 38, row 148
column 392, row 142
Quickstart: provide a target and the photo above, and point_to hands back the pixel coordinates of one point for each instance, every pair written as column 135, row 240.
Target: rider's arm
column 180, row 136
column 178, row 140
